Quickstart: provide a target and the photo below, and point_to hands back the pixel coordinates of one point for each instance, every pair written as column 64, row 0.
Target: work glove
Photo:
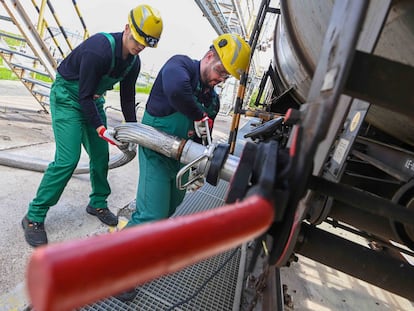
column 109, row 136
column 200, row 126
column 197, row 184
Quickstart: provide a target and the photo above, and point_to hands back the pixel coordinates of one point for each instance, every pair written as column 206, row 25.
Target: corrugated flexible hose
column 39, row 165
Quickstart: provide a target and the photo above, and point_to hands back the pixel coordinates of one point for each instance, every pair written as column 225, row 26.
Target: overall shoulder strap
column 112, row 42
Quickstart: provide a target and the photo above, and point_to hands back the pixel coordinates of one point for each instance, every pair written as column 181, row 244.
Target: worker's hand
column 108, row 135
column 200, row 126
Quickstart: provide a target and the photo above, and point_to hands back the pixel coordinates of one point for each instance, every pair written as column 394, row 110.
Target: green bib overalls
column 157, row 193
column 71, row 131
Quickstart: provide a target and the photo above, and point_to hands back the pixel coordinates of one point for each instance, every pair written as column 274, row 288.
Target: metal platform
column 213, row 284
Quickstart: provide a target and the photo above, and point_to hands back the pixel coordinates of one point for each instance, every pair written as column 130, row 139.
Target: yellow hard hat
column 234, row 53
column 146, row 25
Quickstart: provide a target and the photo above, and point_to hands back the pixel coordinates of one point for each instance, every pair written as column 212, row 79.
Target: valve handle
column 186, row 168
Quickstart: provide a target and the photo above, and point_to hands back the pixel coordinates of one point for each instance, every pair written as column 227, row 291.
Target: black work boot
column 34, row 232
column 104, row 215
column 127, row 296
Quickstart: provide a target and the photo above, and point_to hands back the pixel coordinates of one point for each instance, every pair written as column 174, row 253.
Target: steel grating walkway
column 211, row 285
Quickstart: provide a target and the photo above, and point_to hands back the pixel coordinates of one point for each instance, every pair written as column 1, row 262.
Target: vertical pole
column 243, row 80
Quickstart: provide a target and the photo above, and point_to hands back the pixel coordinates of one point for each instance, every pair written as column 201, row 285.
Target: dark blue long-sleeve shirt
column 174, row 88
column 89, row 62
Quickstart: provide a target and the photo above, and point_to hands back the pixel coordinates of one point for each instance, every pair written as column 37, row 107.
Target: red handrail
column 71, row 274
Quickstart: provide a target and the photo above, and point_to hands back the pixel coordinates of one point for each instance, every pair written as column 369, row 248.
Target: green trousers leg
column 157, row 194
column 98, row 152
column 71, row 132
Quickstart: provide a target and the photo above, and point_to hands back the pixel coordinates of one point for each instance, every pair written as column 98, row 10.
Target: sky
column 186, row 30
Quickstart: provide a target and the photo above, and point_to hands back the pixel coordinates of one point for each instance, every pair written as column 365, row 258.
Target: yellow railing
column 40, row 32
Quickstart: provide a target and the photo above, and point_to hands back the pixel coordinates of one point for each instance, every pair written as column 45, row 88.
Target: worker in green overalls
column 78, row 117
column 181, row 102
column 182, row 99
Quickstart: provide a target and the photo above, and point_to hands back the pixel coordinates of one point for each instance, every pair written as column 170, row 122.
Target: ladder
column 29, row 51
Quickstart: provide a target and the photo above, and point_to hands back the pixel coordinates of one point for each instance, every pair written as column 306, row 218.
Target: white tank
column 298, row 38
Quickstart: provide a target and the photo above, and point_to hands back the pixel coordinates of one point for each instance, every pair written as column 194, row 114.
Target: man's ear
column 211, row 56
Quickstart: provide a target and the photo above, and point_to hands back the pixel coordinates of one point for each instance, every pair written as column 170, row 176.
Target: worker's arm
column 127, row 92
column 92, row 62
column 179, row 76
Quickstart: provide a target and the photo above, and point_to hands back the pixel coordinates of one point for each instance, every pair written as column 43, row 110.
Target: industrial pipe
column 38, row 165
column 151, row 138
column 363, row 220
column 174, row 147
column 378, row 268
column 143, row 135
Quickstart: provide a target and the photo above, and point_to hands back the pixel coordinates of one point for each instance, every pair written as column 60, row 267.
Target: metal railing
column 34, row 60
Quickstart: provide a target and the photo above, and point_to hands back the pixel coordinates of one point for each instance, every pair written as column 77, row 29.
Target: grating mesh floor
column 210, row 285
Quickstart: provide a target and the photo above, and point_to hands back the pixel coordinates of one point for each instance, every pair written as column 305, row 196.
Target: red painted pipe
column 71, row 274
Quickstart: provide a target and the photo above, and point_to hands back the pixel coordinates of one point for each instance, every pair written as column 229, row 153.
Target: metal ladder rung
column 12, row 52
column 37, row 82
column 5, row 18
column 20, row 66
column 41, row 93
column 3, row 34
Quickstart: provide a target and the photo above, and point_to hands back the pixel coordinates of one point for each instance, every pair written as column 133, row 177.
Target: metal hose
column 145, row 136
column 141, row 134
column 39, row 165
column 151, row 138
column 185, row 151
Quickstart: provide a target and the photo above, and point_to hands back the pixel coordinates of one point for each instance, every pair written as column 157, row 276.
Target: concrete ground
column 26, row 133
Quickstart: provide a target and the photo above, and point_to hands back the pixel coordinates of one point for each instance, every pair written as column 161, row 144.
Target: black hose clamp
column 219, row 157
